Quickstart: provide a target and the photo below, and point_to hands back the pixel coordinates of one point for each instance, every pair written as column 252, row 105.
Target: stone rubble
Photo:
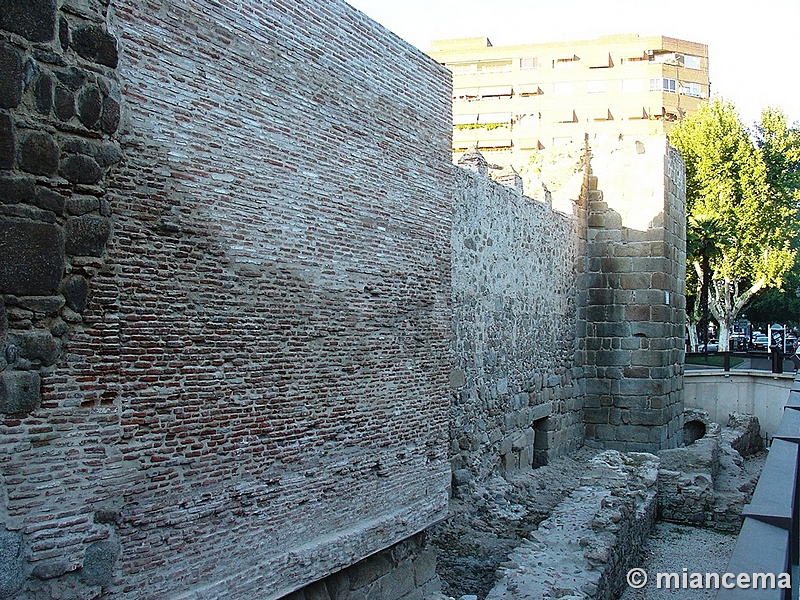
column 590, row 541
column 573, row 528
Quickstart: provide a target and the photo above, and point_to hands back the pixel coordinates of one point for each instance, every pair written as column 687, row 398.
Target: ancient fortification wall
column 253, row 320
column 516, row 387
column 635, row 303
column 256, row 393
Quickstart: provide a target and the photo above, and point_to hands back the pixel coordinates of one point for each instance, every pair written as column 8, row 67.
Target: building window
column 562, row 88
column 496, row 92
column 462, row 68
column 530, row 62
column 692, row 89
column 663, row 84
column 597, row 87
column 465, row 94
column 495, row 67
column 566, row 60
column 691, row 62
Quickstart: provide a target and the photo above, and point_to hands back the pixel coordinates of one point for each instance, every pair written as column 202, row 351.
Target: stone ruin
column 574, row 528
column 705, row 483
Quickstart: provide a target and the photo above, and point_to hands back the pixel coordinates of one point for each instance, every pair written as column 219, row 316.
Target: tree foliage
column 741, row 199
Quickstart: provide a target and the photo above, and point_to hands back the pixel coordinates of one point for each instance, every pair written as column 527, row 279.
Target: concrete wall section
column 257, row 394
column 516, row 388
column 750, row 392
column 635, row 296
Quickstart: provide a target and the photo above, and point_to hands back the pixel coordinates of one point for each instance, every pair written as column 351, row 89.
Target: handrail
column 768, row 541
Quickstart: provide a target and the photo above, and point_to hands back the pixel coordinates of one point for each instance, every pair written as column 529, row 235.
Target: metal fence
column 776, row 362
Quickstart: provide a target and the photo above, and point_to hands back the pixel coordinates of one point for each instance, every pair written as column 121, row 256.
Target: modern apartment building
column 512, row 100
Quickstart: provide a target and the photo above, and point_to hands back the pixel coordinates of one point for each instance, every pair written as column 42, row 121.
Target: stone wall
column 516, row 387
column 245, row 389
column 406, row 571
column 635, row 303
column 706, row 483
column 59, row 113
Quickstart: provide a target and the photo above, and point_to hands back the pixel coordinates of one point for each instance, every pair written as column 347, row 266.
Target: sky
column 753, row 47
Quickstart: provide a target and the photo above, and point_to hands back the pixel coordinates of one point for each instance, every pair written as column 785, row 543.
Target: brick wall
column 255, row 395
column 516, row 396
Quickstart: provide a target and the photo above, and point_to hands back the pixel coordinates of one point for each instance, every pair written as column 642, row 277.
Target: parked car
column 791, row 344
column 738, row 341
column 761, row 342
column 713, row 346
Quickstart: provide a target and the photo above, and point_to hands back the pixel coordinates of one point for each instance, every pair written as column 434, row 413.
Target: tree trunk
column 726, row 305
column 695, row 316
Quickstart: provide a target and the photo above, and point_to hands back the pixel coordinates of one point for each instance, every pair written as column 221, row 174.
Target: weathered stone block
column 6, row 142
column 10, row 76
column 47, row 199
column 72, row 78
column 50, row 570
column 649, row 358
column 104, row 153
column 79, row 168
column 47, row 305
column 637, row 312
column 64, row 103
column 87, row 235
column 63, row 33
column 596, row 415
column 81, row 205
column 37, row 346
column 32, row 19
column 368, row 570
column 93, row 42
column 90, row 105
column 20, row 392
column 39, row 154
column 635, row 281
column 633, row 433
column 98, row 563
column 43, row 93
column 33, row 257
column 646, row 417
column 109, row 122
column 425, row 567
column 3, row 324
column 15, row 190
column 12, row 573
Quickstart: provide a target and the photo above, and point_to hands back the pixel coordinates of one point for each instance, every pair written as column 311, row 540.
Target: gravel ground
column 672, row 548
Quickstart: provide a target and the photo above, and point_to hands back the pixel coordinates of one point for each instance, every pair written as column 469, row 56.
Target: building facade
column 510, row 101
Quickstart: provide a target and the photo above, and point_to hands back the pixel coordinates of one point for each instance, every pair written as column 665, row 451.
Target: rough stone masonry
column 254, row 323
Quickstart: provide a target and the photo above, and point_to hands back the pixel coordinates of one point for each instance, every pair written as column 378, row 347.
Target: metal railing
column 776, row 362
column 769, row 539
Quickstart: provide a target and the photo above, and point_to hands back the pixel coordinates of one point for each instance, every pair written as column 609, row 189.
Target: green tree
column 728, row 176
column 703, row 237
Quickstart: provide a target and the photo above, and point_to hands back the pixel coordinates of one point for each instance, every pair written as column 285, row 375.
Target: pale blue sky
column 754, row 47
